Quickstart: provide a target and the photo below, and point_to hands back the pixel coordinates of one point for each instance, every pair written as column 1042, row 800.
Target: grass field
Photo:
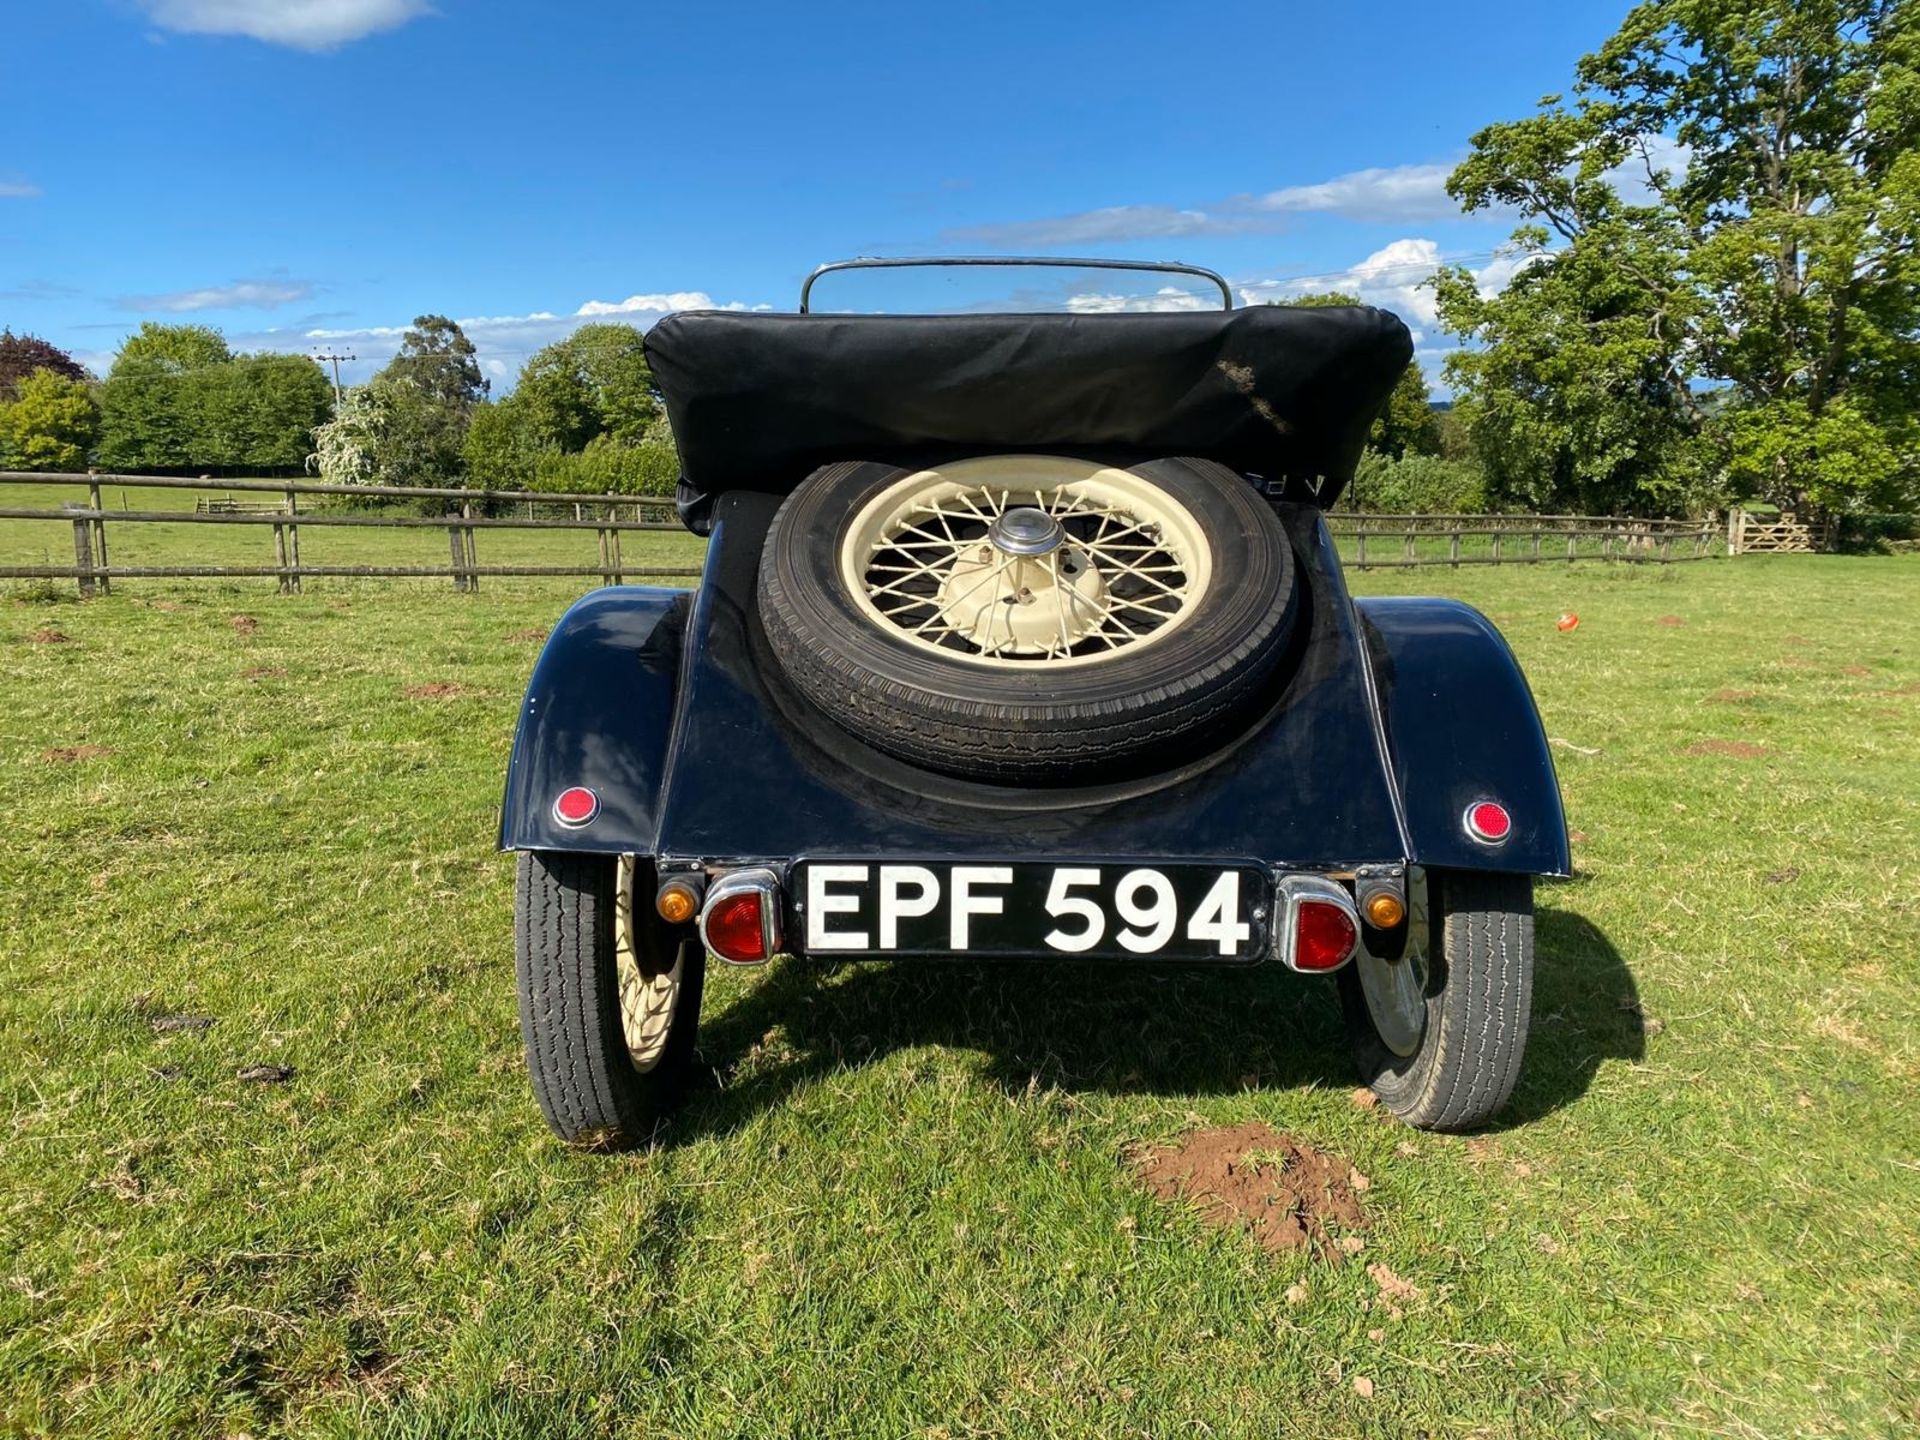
column 899, row 1205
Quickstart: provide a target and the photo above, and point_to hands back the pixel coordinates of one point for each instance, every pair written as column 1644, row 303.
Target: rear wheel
column 1439, row 1033
column 1026, row 618
column 609, row 996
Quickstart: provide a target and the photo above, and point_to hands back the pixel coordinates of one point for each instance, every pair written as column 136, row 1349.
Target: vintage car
column 1023, row 636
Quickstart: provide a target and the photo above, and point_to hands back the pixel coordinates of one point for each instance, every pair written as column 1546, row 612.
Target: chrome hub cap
column 1026, row 559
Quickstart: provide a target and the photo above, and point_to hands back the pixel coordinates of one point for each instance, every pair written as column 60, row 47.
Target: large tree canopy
column 178, row 399
column 21, row 355
column 1731, row 202
column 49, row 424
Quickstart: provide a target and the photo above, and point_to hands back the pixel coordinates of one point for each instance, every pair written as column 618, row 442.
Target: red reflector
column 576, row 806
column 1323, row 936
column 735, row 928
column 1489, row 822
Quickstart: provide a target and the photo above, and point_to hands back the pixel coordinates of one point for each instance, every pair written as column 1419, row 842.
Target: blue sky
column 313, row 173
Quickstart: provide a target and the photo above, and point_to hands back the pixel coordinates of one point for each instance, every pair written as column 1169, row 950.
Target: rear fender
column 598, row 713
column 1461, row 727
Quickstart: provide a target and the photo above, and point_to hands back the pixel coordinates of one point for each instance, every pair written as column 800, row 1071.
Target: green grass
column 898, row 1205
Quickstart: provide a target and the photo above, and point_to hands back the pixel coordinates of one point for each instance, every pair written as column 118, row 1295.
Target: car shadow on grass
column 1085, row 1027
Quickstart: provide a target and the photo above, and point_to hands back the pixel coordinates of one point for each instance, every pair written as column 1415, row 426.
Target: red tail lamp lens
column 1489, row 822
column 576, row 806
column 1323, row 936
column 735, row 928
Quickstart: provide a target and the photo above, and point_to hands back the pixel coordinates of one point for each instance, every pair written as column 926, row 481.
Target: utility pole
column 336, row 359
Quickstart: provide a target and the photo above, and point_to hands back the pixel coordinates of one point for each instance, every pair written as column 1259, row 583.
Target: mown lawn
column 899, row 1205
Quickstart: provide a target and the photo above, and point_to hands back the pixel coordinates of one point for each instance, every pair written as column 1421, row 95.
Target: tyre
column 609, row 997
column 1022, row 618
column 1440, row 1032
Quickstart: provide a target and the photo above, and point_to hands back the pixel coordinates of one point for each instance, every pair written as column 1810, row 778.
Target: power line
column 336, row 359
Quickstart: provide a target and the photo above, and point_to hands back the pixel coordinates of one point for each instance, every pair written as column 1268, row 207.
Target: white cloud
column 1168, row 297
column 1098, row 227
column 15, row 187
column 302, row 24
column 240, row 295
column 1398, row 192
column 503, row 341
column 655, row 305
column 1393, row 277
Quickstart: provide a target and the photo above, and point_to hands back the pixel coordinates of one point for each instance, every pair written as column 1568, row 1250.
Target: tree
column 21, row 355
column 50, row 424
column 1776, row 253
column 175, row 348
column 595, row 382
column 1406, row 423
column 438, row 359
column 255, row 412
column 500, row 449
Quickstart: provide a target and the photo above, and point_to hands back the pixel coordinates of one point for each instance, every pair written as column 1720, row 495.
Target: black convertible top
column 1282, row 394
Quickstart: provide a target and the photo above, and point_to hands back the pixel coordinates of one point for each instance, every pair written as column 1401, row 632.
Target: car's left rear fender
column 598, row 713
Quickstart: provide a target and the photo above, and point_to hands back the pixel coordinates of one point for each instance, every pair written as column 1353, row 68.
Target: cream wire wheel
column 1026, row 560
column 647, row 1001
column 1027, row 619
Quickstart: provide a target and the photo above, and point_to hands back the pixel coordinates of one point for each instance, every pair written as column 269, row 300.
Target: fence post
column 280, row 556
column 1361, row 559
column 293, row 539
column 456, row 547
column 82, row 549
column 99, row 531
column 473, row 549
column 1453, row 548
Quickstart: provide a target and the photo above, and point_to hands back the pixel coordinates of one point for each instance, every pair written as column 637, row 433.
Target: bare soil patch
column 264, row 672
column 68, row 754
column 1734, row 749
column 47, row 635
column 1857, row 671
column 441, row 690
column 245, row 625
column 1670, row 622
column 1285, row 1194
column 1913, row 689
column 1733, row 697
column 530, row 637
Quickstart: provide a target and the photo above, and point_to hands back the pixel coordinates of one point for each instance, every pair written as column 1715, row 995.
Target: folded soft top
column 1284, row 395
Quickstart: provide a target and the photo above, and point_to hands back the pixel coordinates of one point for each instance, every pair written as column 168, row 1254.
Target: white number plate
column 1124, row 910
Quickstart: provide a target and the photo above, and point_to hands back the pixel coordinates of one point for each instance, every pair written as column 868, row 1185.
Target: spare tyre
column 1029, row 618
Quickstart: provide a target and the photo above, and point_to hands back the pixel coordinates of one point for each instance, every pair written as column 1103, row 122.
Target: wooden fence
column 1387, row 541
column 1366, row 541
column 93, row 567
column 1781, row 534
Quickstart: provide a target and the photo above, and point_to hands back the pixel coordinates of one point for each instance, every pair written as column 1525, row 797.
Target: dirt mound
column 1283, row 1193
column 47, row 636
column 1738, row 749
column 1734, row 697
column 1670, row 622
column 68, row 754
column 265, row 672
column 245, row 625
column 534, row 635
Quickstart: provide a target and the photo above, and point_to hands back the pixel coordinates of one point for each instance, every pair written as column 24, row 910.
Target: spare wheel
column 1029, row 618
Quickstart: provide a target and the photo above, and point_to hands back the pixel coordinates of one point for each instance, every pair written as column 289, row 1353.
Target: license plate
column 869, row 908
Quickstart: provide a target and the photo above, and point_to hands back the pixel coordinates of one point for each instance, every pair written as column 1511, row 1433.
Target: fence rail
column 93, row 568
column 1371, row 541
column 1367, row 541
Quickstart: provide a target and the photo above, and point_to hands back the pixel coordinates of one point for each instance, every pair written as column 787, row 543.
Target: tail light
column 1319, row 926
column 740, row 921
column 1488, row 822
